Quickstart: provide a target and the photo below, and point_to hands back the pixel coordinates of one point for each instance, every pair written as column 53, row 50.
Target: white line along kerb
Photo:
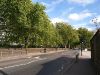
column 21, row 64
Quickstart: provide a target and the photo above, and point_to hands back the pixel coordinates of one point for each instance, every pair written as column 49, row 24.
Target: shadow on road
column 59, row 66
column 83, row 67
column 3, row 73
column 55, row 67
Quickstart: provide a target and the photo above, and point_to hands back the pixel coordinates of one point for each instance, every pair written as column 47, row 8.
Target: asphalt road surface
column 48, row 64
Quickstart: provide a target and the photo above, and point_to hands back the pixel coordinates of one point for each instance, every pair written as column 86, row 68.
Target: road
column 48, row 64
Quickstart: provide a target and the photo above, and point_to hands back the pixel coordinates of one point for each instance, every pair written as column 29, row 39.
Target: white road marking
column 62, row 67
column 37, row 57
column 29, row 57
column 21, row 64
column 59, row 70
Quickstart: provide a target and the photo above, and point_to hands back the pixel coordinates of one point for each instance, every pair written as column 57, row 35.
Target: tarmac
column 84, row 66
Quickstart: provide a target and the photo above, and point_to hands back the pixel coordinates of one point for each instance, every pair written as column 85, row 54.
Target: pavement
column 83, row 66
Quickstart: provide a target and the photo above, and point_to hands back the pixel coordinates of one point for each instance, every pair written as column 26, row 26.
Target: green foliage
column 85, row 36
column 68, row 34
column 15, row 14
column 27, row 24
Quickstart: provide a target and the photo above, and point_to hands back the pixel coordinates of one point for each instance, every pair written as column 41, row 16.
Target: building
column 95, row 50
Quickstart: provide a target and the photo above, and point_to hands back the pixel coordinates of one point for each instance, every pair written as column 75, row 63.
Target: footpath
column 83, row 66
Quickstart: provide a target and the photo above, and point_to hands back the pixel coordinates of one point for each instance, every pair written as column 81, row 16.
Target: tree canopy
column 85, row 36
column 28, row 24
column 68, row 34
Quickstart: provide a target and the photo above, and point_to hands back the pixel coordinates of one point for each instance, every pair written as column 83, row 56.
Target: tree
column 15, row 14
column 39, row 25
column 2, row 32
column 68, row 34
column 41, row 30
column 74, row 38
column 85, row 36
column 27, row 23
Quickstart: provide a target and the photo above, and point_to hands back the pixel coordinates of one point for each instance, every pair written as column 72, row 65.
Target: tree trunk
column 69, row 46
column 65, row 47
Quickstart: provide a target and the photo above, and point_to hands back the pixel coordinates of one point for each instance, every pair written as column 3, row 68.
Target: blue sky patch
column 78, row 13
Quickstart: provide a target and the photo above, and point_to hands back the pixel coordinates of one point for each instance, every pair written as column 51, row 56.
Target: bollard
column 44, row 50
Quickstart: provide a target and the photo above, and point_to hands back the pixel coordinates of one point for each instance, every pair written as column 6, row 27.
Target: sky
column 78, row 13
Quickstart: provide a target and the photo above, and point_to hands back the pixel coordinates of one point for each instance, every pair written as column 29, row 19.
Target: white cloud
column 66, row 11
column 82, row 2
column 79, row 25
column 80, row 16
column 84, row 25
column 90, row 29
column 57, row 2
column 74, row 16
column 49, row 10
column 54, row 2
column 54, row 20
column 50, row 7
column 45, row 4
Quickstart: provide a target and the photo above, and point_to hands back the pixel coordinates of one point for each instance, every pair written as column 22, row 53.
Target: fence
column 95, row 50
column 18, row 51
